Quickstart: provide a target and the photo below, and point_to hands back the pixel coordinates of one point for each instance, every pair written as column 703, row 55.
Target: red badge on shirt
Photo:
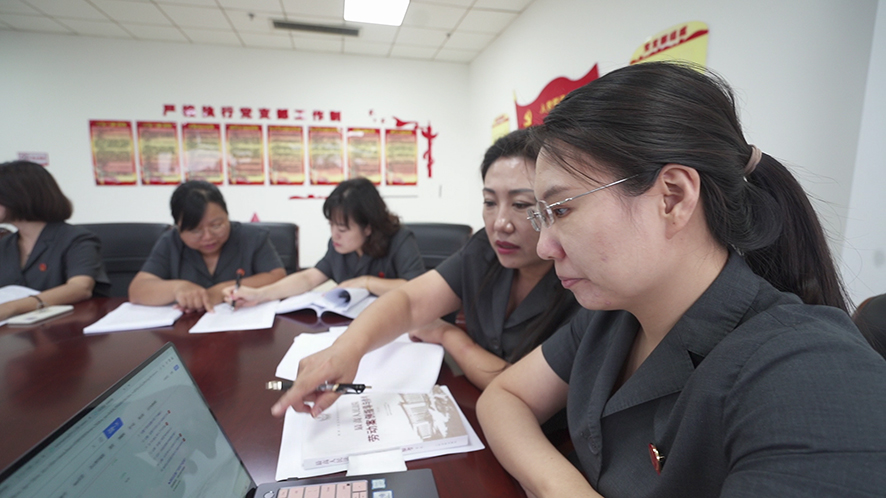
column 657, row 457
column 42, row 266
column 381, row 274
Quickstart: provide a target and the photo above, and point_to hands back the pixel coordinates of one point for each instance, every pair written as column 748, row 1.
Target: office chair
column 438, row 241
column 870, row 318
column 284, row 237
column 125, row 248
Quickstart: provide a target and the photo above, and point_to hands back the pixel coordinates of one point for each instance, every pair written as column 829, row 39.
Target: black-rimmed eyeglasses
column 543, row 214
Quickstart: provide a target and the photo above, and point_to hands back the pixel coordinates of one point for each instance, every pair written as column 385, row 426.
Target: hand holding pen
column 322, row 378
column 240, row 274
column 285, row 385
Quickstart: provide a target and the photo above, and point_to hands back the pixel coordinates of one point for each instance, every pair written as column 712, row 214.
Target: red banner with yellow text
column 534, row 113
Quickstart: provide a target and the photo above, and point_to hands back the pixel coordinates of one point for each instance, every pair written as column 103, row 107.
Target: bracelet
column 40, row 303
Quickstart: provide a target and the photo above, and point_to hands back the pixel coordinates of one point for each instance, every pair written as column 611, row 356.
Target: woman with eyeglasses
column 46, row 254
column 511, row 298
column 722, row 361
column 190, row 265
column 369, row 249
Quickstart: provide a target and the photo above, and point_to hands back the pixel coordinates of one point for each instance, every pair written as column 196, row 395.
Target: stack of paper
column 402, row 366
column 14, row 293
column 224, row 318
column 130, row 316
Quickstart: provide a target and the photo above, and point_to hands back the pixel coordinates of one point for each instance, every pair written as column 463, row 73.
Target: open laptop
column 153, row 435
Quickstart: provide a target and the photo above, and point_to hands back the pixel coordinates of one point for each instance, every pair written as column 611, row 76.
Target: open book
column 373, row 422
column 345, row 302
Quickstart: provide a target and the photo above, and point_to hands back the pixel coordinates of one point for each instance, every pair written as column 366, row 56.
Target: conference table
column 51, row 370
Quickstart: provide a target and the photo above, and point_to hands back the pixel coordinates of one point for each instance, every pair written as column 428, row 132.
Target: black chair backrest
column 125, row 248
column 870, row 318
column 438, row 241
column 284, row 237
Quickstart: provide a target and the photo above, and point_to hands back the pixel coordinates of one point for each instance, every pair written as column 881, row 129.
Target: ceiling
column 437, row 30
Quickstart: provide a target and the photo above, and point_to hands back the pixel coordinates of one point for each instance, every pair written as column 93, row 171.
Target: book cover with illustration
column 374, row 422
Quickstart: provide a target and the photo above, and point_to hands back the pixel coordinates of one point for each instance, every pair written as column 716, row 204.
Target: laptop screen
column 152, row 435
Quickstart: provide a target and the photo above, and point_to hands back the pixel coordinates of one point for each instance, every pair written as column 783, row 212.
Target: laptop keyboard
column 349, row 489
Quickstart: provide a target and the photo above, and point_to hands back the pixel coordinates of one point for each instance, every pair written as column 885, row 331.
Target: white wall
column 799, row 68
column 864, row 252
column 53, row 85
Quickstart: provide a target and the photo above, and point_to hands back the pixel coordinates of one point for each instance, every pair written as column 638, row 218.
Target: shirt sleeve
column 452, row 268
column 83, row 258
column 560, row 349
column 325, row 264
column 406, row 256
column 265, row 257
column 804, row 417
column 159, row 262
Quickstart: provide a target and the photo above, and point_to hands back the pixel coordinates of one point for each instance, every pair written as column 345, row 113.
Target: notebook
column 153, row 434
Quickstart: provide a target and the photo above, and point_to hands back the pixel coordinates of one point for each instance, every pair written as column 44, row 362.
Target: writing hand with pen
column 241, row 296
column 331, row 367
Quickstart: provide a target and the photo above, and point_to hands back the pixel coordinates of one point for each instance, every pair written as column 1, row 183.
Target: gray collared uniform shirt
column 752, row 393
column 403, row 260
column 62, row 251
column 486, row 304
column 248, row 247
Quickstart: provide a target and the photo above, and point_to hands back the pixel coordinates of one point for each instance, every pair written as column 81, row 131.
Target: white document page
column 289, row 462
column 14, row 293
column 226, row 319
column 130, row 316
column 298, row 302
column 402, row 366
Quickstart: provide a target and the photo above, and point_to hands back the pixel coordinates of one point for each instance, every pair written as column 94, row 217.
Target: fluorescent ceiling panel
column 388, row 12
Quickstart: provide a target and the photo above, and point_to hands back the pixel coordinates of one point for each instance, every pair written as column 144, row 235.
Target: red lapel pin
column 42, row 266
column 657, row 457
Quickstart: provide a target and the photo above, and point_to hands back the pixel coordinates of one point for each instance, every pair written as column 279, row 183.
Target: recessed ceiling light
column 388, row 12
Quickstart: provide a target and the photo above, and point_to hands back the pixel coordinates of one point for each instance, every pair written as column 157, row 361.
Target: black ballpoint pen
column 240, row 273
column 284, row 385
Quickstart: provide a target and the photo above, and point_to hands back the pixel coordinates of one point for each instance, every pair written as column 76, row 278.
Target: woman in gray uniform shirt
column 511, row 297
column 721, row 361
column 369, row 249
column 191, row 265
column 46, row 254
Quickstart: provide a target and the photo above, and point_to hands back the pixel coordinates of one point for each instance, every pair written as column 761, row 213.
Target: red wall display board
column 401, row 157
column 326, row 155
column 245, row 147
column 203, row 152
column 286, row 155
column 158, row 153
column 113, row 152
column 364, row 153
column 534, row 113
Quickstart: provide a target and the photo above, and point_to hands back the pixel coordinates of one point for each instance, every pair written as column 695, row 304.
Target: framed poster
column 158, row 153
column 326, row 151
column 286, row 155
column 113, row 152
column 245, row 147
column 202, row 152
column 401, row 157
column 364, row 154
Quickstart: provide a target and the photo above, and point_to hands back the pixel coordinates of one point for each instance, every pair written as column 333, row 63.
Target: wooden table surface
column 51, row 370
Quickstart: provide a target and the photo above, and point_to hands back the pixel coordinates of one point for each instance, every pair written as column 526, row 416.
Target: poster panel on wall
column 687, row 41
column 113, row 152
column 401, row 157
column 158, row 153
column 364, row 153
column 286, row 155
column 534, row 113
column 501, row 126
column 245, row 148
column 326, row 150
column 203, row 152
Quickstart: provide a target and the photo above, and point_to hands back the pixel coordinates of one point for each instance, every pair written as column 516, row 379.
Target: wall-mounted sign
column 364, row 154
column 687, row 41
column 113, row 152
column 245, row 148
column 286, row 155
column 326, row 151
column 203, row 152
column 534, row 113
column 158, row 153
column 401, row 157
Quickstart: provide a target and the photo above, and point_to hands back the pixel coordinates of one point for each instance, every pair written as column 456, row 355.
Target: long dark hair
column 30, row 193
column 637, row 119
column 559, row 302
column 358, row 200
